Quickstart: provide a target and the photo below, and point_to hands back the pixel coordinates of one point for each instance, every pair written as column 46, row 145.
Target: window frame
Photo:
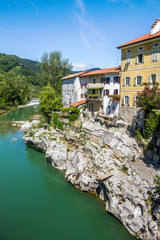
column 128, row 51
column 140, row 47
column 154, row 44
column 155, row 51
column 137, row 58
column 124, row 100
column 106, row 92
column 124, row 81
column 135, row 81
column 128, row 59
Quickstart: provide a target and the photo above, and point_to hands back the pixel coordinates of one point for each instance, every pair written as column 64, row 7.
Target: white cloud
column 81, row 66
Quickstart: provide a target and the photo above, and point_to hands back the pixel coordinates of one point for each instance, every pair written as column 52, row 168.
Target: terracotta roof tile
column 103, row 71
column 145, row 37
column 76, row 104
column 73, row 75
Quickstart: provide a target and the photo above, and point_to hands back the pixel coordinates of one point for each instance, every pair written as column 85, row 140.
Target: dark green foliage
column 18, row 81
column 73, row 117
column 157, row 182
column 152, row 120
column 56, row 123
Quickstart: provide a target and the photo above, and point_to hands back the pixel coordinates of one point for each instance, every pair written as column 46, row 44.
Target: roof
column 103, row 71
column 76, row 104
column 73, row 75
column 145, row 37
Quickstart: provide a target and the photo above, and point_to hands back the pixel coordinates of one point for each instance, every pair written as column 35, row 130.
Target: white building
column 111, row 93
column 104, row 90
column 73, row 88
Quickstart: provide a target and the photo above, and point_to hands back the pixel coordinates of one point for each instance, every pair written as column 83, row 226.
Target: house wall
column 143, row 69
column 109, row 107
column 83, row 87
column 70, row 91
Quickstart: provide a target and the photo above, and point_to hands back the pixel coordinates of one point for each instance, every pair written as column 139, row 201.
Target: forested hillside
column 18, row 80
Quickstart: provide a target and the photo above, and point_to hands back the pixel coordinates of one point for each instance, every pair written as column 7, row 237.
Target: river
column 37, row 203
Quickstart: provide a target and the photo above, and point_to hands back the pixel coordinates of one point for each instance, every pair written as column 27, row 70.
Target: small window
column 140, row 58
column 107, row 80
column 138, row 81
column 135, row 100
column 153, row 78
column 94, row 80
column 85, row 85
column 81, row 86
column 155, row 44
column 81, row 95
column 128, row 51
column 155, row 55
column 126, row 100
column 140, row 49
column 116, row 80
column 128, row 59
column 115, row 92
column 127, row 81
column 106, row 92
column 102, row 80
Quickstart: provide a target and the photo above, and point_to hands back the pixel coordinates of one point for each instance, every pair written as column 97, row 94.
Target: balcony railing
column 114, row 97
column 95, row 85
column 94, row 97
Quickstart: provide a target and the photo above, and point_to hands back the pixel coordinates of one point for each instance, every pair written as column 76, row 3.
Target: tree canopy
column 53, row 68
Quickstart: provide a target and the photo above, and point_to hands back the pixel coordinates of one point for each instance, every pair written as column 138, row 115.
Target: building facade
column 103, row 90
column 73, row 88
column 140, row 64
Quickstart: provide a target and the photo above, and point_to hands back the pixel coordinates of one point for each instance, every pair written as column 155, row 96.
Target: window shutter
column 134, row 101
column 142, row 58
column 129, row 81
column 156, row 77
column 136, row 60
column 128, row 100
column 114, row 80
column 135, row 81
column 141, row 80
column 150, row 79
column 123, row 100
column 124, row 81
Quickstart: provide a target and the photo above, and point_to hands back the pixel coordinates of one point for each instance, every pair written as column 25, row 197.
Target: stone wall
column 133, row 116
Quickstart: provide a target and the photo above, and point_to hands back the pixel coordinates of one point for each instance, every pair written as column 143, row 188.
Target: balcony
column 94, row 97
column 114, row 98
column 95, row 85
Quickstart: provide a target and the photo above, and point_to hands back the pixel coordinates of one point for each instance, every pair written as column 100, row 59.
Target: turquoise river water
column 37, row 203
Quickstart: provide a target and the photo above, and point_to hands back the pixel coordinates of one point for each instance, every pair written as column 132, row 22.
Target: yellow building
column 140, row 63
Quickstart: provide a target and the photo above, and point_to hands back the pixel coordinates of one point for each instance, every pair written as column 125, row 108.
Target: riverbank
column 106, row 162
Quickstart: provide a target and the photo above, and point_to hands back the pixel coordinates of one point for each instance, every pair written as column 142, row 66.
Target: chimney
column 155, row 27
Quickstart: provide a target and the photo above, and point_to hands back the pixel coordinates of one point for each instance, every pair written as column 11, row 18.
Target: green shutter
column 136, row 59
column 129, row 81
column 143, row 58
column 123, row 101
column 135, row 81
column 141, row 80
column 124, row 81
column 128, row 100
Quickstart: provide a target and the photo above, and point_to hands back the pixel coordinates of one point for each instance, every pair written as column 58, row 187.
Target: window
column 128, row 51
column 127, row 81
column 153, row 78
column 107, row 80
column 94, row 80
column 140, row 49
column 85, row 85
column 139, row 58
column 102, row 80
column 155, row 55
column 106, row 92
column 128, row 59
column 126, row 100
column 81, row 95
column 138, row 81
column 116, row 80
column 135, row 99
column 81, row 86
column 115, row 92
column 155, row 44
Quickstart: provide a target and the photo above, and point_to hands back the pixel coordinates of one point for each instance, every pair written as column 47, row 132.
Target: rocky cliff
column 103, row 159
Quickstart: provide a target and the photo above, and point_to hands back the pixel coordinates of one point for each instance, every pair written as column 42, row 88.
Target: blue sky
column 85, row 31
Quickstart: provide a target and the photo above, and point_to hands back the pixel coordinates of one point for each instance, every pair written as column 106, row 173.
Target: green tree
column 53, row 68
column 49, row 101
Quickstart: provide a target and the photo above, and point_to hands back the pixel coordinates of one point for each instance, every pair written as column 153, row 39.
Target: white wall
column 71, row 90
column 83, row 89
column 114, row 106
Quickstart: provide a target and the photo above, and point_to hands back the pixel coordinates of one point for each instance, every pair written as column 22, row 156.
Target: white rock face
column 86, row 151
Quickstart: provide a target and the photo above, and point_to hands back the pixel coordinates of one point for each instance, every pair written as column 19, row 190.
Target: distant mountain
column 89, row 70
column 8, row 62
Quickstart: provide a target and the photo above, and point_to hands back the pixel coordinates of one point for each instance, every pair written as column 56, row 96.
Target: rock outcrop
column 87, row 151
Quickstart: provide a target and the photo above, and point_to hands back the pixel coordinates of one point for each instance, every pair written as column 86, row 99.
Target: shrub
column 151, row 121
